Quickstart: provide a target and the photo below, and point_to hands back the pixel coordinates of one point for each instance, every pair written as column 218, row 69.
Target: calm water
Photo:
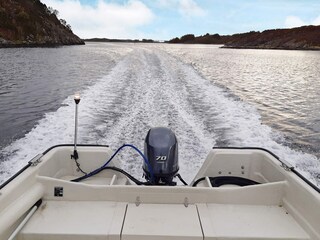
column 207, row 95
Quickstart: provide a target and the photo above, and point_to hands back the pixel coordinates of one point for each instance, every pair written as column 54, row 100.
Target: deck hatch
column 161, row 221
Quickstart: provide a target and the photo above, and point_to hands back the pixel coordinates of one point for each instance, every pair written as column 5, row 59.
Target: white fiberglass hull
column 111, row 206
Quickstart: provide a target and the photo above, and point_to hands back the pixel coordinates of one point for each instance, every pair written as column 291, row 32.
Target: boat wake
column 148, row 88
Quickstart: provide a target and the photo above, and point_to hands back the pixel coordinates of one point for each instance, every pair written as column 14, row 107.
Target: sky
column 166, row 19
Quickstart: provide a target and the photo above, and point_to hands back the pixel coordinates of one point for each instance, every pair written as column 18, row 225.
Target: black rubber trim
column 71, row 145
column 29, row 164
column 249, row 148
column 15, row 175
column 225, row 180
column 291, row 168
column 306, row 180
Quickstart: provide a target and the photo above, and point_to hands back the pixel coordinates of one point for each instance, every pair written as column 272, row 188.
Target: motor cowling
column 161, row 149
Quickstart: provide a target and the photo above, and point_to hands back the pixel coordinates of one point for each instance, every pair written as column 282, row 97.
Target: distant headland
column 301, row 38
column 33, row 24
column 120, row 40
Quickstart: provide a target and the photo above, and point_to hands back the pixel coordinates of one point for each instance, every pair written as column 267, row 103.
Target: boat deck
column 87, row 218
column 112, row 220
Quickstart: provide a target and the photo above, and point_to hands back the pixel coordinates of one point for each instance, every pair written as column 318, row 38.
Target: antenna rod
column 76, row 100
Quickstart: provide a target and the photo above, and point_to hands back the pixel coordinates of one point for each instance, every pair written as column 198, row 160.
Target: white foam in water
column 149, row 88
column 54, row 128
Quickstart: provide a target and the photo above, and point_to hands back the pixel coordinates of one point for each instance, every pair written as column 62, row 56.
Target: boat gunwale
column 45, row 152
column 292, row 169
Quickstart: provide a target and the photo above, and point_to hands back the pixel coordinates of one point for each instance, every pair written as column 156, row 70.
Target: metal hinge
column 36, row 160
column 286, row 166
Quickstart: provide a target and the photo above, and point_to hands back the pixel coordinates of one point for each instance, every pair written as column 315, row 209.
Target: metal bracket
column 138, row 201
column 186, row 202
column 286, row 166
column 36, row 160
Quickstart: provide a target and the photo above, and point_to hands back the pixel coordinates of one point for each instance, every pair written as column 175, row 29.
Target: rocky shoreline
column 7, row 44
column 302, row 38
column 35, row 45
column 33, row 24
column 273, row 48
column 31, row 44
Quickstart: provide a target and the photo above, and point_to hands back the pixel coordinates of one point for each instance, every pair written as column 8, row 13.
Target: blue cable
column 115, row 153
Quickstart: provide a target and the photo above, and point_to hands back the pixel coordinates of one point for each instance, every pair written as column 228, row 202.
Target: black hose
column 136, row 181
column 96, row 171
column 181, row 179
column 198, row 180
column 133, row 179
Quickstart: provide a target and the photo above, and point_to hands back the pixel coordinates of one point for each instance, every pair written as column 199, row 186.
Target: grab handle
column 25, row 220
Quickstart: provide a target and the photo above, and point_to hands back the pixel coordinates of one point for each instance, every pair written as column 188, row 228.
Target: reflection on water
column 283, row 85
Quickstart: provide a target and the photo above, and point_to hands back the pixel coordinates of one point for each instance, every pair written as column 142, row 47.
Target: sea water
column 207, row 95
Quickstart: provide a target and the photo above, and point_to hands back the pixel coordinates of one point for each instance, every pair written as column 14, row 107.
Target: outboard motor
column 161, row 149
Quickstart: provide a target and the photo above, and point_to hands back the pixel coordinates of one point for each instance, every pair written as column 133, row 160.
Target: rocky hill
column 120, row 40
column 304, row 38
column 29, row 23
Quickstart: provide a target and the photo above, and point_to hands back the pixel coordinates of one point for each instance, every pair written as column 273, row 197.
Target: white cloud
column 316, row 21
column 294, row 21
column 109, row 20
column 187, row 8
column 190, row 8
column 166, row 3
